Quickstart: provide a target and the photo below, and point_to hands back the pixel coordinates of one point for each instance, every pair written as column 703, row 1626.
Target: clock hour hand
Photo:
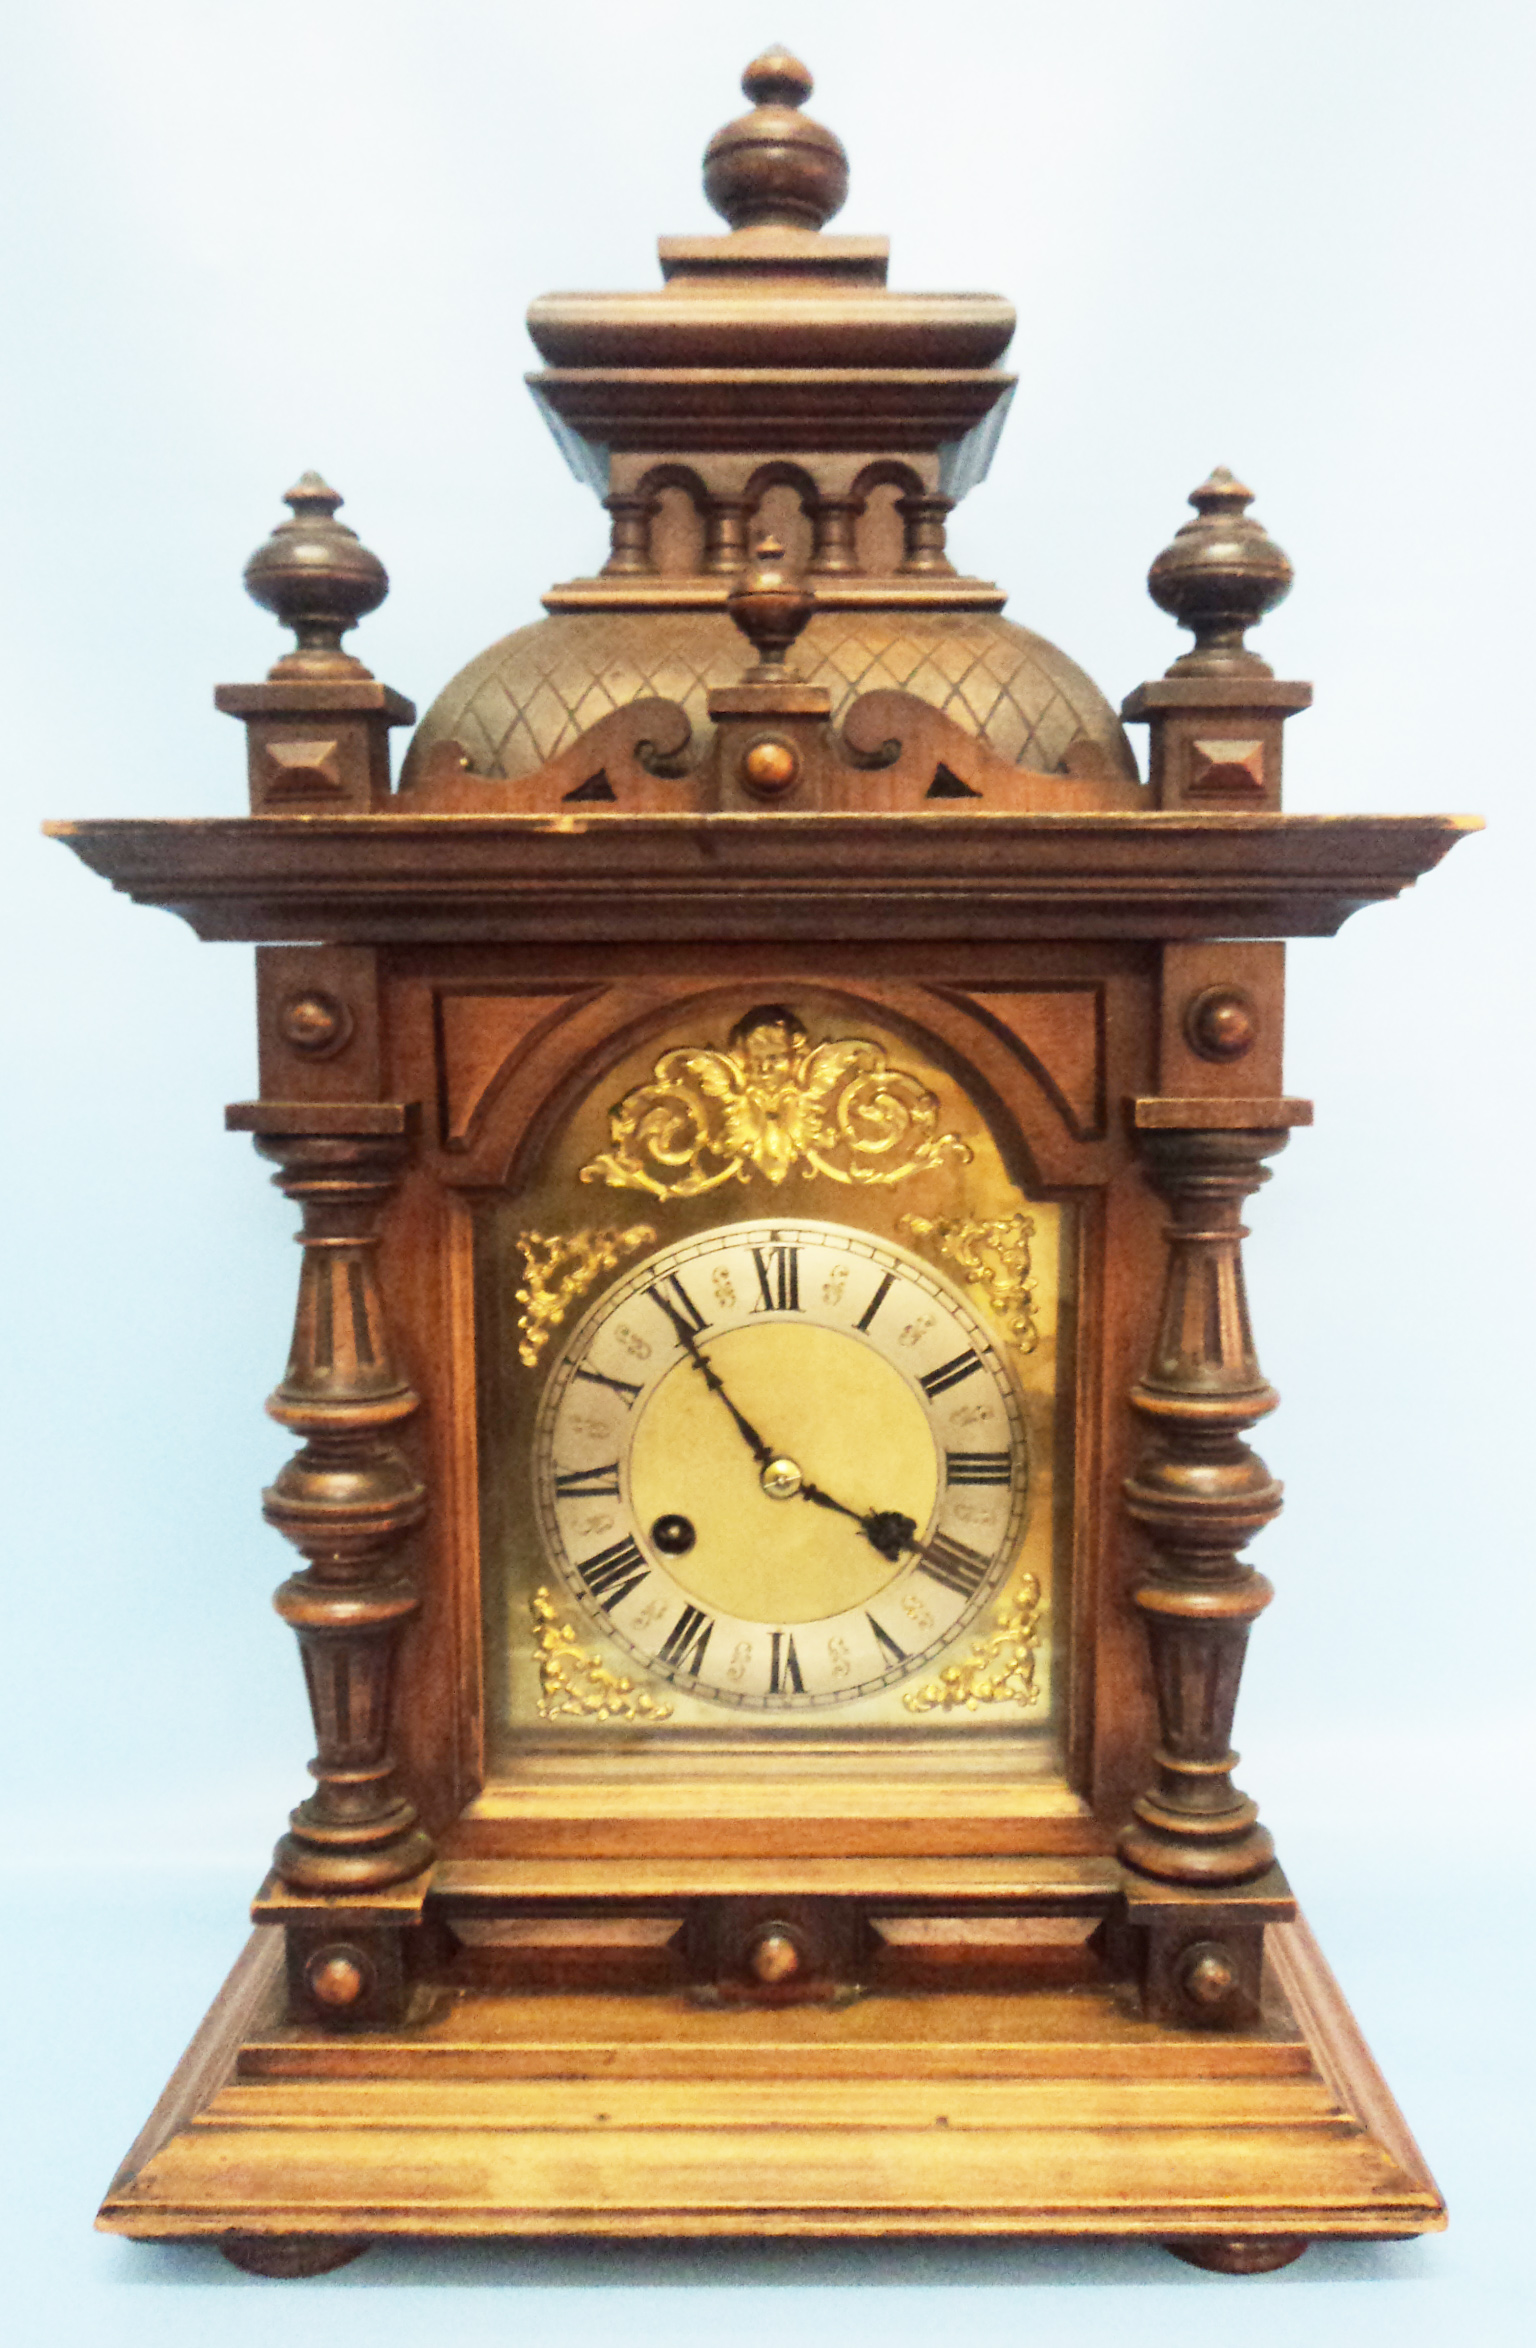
column 885, row 1529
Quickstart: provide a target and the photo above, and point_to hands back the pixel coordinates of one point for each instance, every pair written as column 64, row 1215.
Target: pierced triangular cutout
column 595, row 787
column 949, row 786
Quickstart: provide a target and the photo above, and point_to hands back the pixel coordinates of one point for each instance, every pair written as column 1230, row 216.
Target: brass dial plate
column 782, row 1465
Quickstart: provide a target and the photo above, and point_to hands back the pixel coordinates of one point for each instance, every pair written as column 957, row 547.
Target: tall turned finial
column 770, row 606
column 1221, row 574
column 319, row 578
column 773, row 168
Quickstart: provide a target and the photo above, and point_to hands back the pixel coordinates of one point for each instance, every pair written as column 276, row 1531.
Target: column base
column 314, row 1867
column 1170, row 1853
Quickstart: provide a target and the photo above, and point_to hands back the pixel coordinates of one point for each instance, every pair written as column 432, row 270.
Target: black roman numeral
column 780, row 1287
column 896, row 1654
column 614, row 1572
column 687, row 1640
column 978, row 1467
column 599, row 1483
column 784, row 1669
column 949, row 1374
column 628, row 1395
column 876, row 1301
column 679, row 1307
column 950, row 1562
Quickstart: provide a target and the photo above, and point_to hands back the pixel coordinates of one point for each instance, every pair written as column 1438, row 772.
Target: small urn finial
column 319, row 579
column 774, row 167
column 1219, row 576
column 770, row 606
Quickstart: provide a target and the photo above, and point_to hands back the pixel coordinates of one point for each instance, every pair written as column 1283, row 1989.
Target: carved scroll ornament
column 769, row 1103
column 991, row 1256
column 998, row 1670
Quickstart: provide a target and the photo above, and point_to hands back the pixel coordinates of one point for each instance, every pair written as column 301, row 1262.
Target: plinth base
column 1048, row 2112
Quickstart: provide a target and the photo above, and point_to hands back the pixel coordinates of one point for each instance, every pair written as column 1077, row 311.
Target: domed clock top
column 774, row 385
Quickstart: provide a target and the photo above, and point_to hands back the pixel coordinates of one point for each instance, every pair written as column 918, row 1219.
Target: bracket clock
column 770, row 1095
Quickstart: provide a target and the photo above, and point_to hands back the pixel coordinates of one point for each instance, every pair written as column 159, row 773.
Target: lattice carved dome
column 773, row 387
column 529, row 696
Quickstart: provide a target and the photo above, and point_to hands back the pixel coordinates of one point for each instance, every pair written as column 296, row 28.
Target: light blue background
column 245, row 236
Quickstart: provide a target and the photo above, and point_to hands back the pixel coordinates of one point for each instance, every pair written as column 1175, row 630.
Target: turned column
column 347, row 1501
column 923, row 521
column 725, row 535
column 629, row 544
column 834, row 553
column 1202, row 1494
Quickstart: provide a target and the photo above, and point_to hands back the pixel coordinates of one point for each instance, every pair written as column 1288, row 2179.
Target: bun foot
column 1239, row 2254
column 290, row 2257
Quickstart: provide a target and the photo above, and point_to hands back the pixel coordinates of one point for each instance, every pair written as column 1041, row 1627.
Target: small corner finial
column 319, row 579
column 770, row 606
column 774, row 167
column 1220, row 575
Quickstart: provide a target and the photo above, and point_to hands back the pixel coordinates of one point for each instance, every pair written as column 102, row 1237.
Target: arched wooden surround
column 510, row 1062
column 677, row 510
column 903, row 532
column 498, row 1048
column 782, row 502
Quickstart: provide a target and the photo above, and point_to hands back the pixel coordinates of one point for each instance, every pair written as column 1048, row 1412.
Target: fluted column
column 1202, row 1494
column 347, row 1501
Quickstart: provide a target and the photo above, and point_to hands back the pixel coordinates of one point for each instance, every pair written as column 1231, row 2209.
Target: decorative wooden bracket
column 634, row 758
column 774, row 747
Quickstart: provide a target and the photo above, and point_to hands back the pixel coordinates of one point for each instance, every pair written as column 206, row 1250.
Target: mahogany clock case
column 506, row 1050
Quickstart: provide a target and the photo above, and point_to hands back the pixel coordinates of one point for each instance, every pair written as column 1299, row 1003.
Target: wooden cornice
column 402, row 878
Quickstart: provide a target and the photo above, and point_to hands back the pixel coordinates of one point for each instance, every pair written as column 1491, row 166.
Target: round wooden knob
column 774, row 1957
column 335, row 1977
column 315, row 1023
column 1222, row 1023
column 770, row 768
column 1208, row 1977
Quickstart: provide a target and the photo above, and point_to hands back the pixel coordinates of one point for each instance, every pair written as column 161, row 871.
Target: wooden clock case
column 525, row 2000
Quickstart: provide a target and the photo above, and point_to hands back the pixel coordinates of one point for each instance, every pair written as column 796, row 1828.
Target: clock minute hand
column 760, row 1451
column 885, row 1529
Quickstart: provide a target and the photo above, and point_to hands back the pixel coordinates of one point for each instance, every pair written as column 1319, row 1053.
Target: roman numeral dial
column 593, row 1483
column 978, row 1467
column 614, row 1572
column 779, row 1469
